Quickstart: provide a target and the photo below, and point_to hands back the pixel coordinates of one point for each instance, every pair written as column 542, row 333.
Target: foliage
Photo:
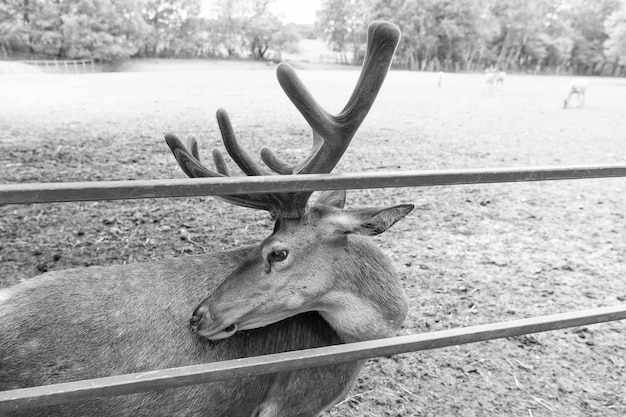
column 343, row 24
column 110, row 30
column 172, row 24
column 266, row 32
column 534, row 35
column 230, row 28
column 13, row 24
column 615, row 45
column 98, row 29
column 262, row 31
column 575, row 36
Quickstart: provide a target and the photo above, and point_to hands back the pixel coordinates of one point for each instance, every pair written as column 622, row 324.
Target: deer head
column 312, row 261
column 324, row 264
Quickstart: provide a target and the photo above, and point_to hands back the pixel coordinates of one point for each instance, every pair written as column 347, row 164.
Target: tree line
column 562, row 36
column 113, row 30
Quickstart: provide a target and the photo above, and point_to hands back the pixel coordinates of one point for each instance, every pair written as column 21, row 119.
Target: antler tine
column 220, row 163
column 191, row 166
column 275, row 163
column 283, row 168
column 192, row 145
column 247, row 164
column 186, row 160
column 337, row 131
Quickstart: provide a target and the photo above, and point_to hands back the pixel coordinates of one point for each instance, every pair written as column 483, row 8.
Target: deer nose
column 197, row 316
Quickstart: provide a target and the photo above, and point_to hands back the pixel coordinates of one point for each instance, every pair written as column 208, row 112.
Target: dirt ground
column 467, row 255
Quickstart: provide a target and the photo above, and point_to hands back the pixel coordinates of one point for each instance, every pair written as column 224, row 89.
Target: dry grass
column 467, row 255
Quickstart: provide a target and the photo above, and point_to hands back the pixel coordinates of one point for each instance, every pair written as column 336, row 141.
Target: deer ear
column 372, row 222
column 334, row 198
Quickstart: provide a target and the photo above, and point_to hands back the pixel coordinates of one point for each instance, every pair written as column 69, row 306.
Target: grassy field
column 467, row 255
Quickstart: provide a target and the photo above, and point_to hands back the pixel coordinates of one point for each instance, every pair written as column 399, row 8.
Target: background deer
column 317, row 280
column 500, row 76
column 494, row 78
column 577, row 88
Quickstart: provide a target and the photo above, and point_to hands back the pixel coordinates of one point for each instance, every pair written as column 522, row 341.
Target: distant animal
column 439, row 78
column 316, row 281
column 577, row 88
column 490, row 79
column 499, row 78
column 494, row 78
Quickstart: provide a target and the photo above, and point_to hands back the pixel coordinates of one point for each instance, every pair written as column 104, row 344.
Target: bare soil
column 467, row 255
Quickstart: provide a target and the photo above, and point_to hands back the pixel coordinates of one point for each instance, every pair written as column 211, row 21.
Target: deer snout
column 197, row 316
column 203, row 323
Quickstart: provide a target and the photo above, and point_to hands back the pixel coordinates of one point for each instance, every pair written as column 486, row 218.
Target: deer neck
column 367, row 301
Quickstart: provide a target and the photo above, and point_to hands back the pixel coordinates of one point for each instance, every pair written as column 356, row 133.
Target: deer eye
column 277, row 255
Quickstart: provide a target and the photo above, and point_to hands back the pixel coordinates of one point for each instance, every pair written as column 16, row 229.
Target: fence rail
column 199, row 374
column 175, row 377
column 67, row 66
column 135, row 189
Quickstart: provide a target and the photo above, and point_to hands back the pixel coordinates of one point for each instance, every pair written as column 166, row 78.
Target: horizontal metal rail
column 169, row 378
column 197, row 374
column 135, row 189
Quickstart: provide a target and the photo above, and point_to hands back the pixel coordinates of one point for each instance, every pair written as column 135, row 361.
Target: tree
column 615, row 45
column 344, row 26
column 101, row 29
column 263, row 31
column 266, row 32
column 228, row 18
column 418, row 44
column 106, row 30
column 588, row 33
column 438, row 34
column 14, row 22
column 171, row 26
column 459, row 29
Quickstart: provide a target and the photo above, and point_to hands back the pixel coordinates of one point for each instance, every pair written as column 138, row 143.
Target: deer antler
column 331, row 133
column 189, row 161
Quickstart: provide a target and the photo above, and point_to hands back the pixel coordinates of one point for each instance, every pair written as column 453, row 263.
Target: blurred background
column 535, row 36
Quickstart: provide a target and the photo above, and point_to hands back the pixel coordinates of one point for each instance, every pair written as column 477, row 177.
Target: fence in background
column 62, row 66
column 176, row 377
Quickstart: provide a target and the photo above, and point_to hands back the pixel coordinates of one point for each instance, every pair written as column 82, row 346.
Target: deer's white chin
column 256, row 322
column 249, row 324
column 222, row 334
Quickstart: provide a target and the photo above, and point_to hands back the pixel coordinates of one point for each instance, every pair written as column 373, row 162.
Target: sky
column 301, row 11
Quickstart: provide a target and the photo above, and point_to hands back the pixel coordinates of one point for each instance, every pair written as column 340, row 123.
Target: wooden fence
column 196, row 374
column 64, row 66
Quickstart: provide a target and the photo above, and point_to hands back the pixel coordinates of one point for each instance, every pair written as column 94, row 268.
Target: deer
column 490, row 80
column 577, row 88
column 316, row 280
column 499, row 76
column 494, row 78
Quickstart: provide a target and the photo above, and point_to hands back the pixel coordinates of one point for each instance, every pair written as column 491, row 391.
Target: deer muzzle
column 203, row 323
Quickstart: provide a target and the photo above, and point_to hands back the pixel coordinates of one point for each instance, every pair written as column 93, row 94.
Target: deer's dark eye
column 277, row 255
